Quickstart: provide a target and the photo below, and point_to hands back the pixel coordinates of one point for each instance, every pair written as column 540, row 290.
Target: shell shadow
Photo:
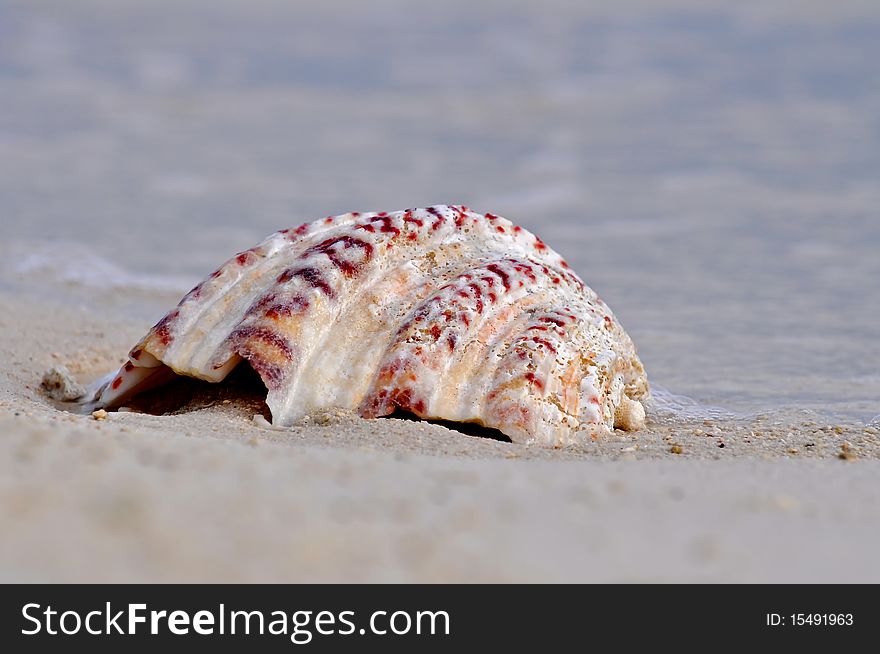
column 241, row 390
column 467, row 428
column 244, row 391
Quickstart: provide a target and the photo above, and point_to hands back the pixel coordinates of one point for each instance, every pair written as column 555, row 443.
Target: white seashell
column 442, row 312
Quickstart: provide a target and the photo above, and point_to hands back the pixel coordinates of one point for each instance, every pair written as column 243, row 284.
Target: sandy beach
column 711, row 172
column 208, row 494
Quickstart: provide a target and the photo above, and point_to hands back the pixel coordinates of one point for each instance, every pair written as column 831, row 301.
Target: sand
column 208, row 494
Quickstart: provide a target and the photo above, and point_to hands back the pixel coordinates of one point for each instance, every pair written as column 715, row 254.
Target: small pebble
column 60, row 385
column 847, row 453
column 100, row 414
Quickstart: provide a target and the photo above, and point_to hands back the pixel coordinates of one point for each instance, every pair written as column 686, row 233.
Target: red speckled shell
column 442, row 312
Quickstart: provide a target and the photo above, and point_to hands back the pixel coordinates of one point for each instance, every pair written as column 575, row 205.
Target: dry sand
column 208, row 494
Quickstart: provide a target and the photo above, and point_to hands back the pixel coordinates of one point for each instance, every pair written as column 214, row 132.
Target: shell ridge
column 350, row 291
column 547, row 343
column 497, row 304
column 248, row 267
column 216, row 357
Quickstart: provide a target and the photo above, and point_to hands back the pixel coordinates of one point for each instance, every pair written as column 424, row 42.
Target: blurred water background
column 711, row 169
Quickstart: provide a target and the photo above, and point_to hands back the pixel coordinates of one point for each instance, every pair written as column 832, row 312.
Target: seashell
column 441, row 312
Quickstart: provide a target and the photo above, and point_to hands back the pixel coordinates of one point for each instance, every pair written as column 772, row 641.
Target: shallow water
column 711, row 170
